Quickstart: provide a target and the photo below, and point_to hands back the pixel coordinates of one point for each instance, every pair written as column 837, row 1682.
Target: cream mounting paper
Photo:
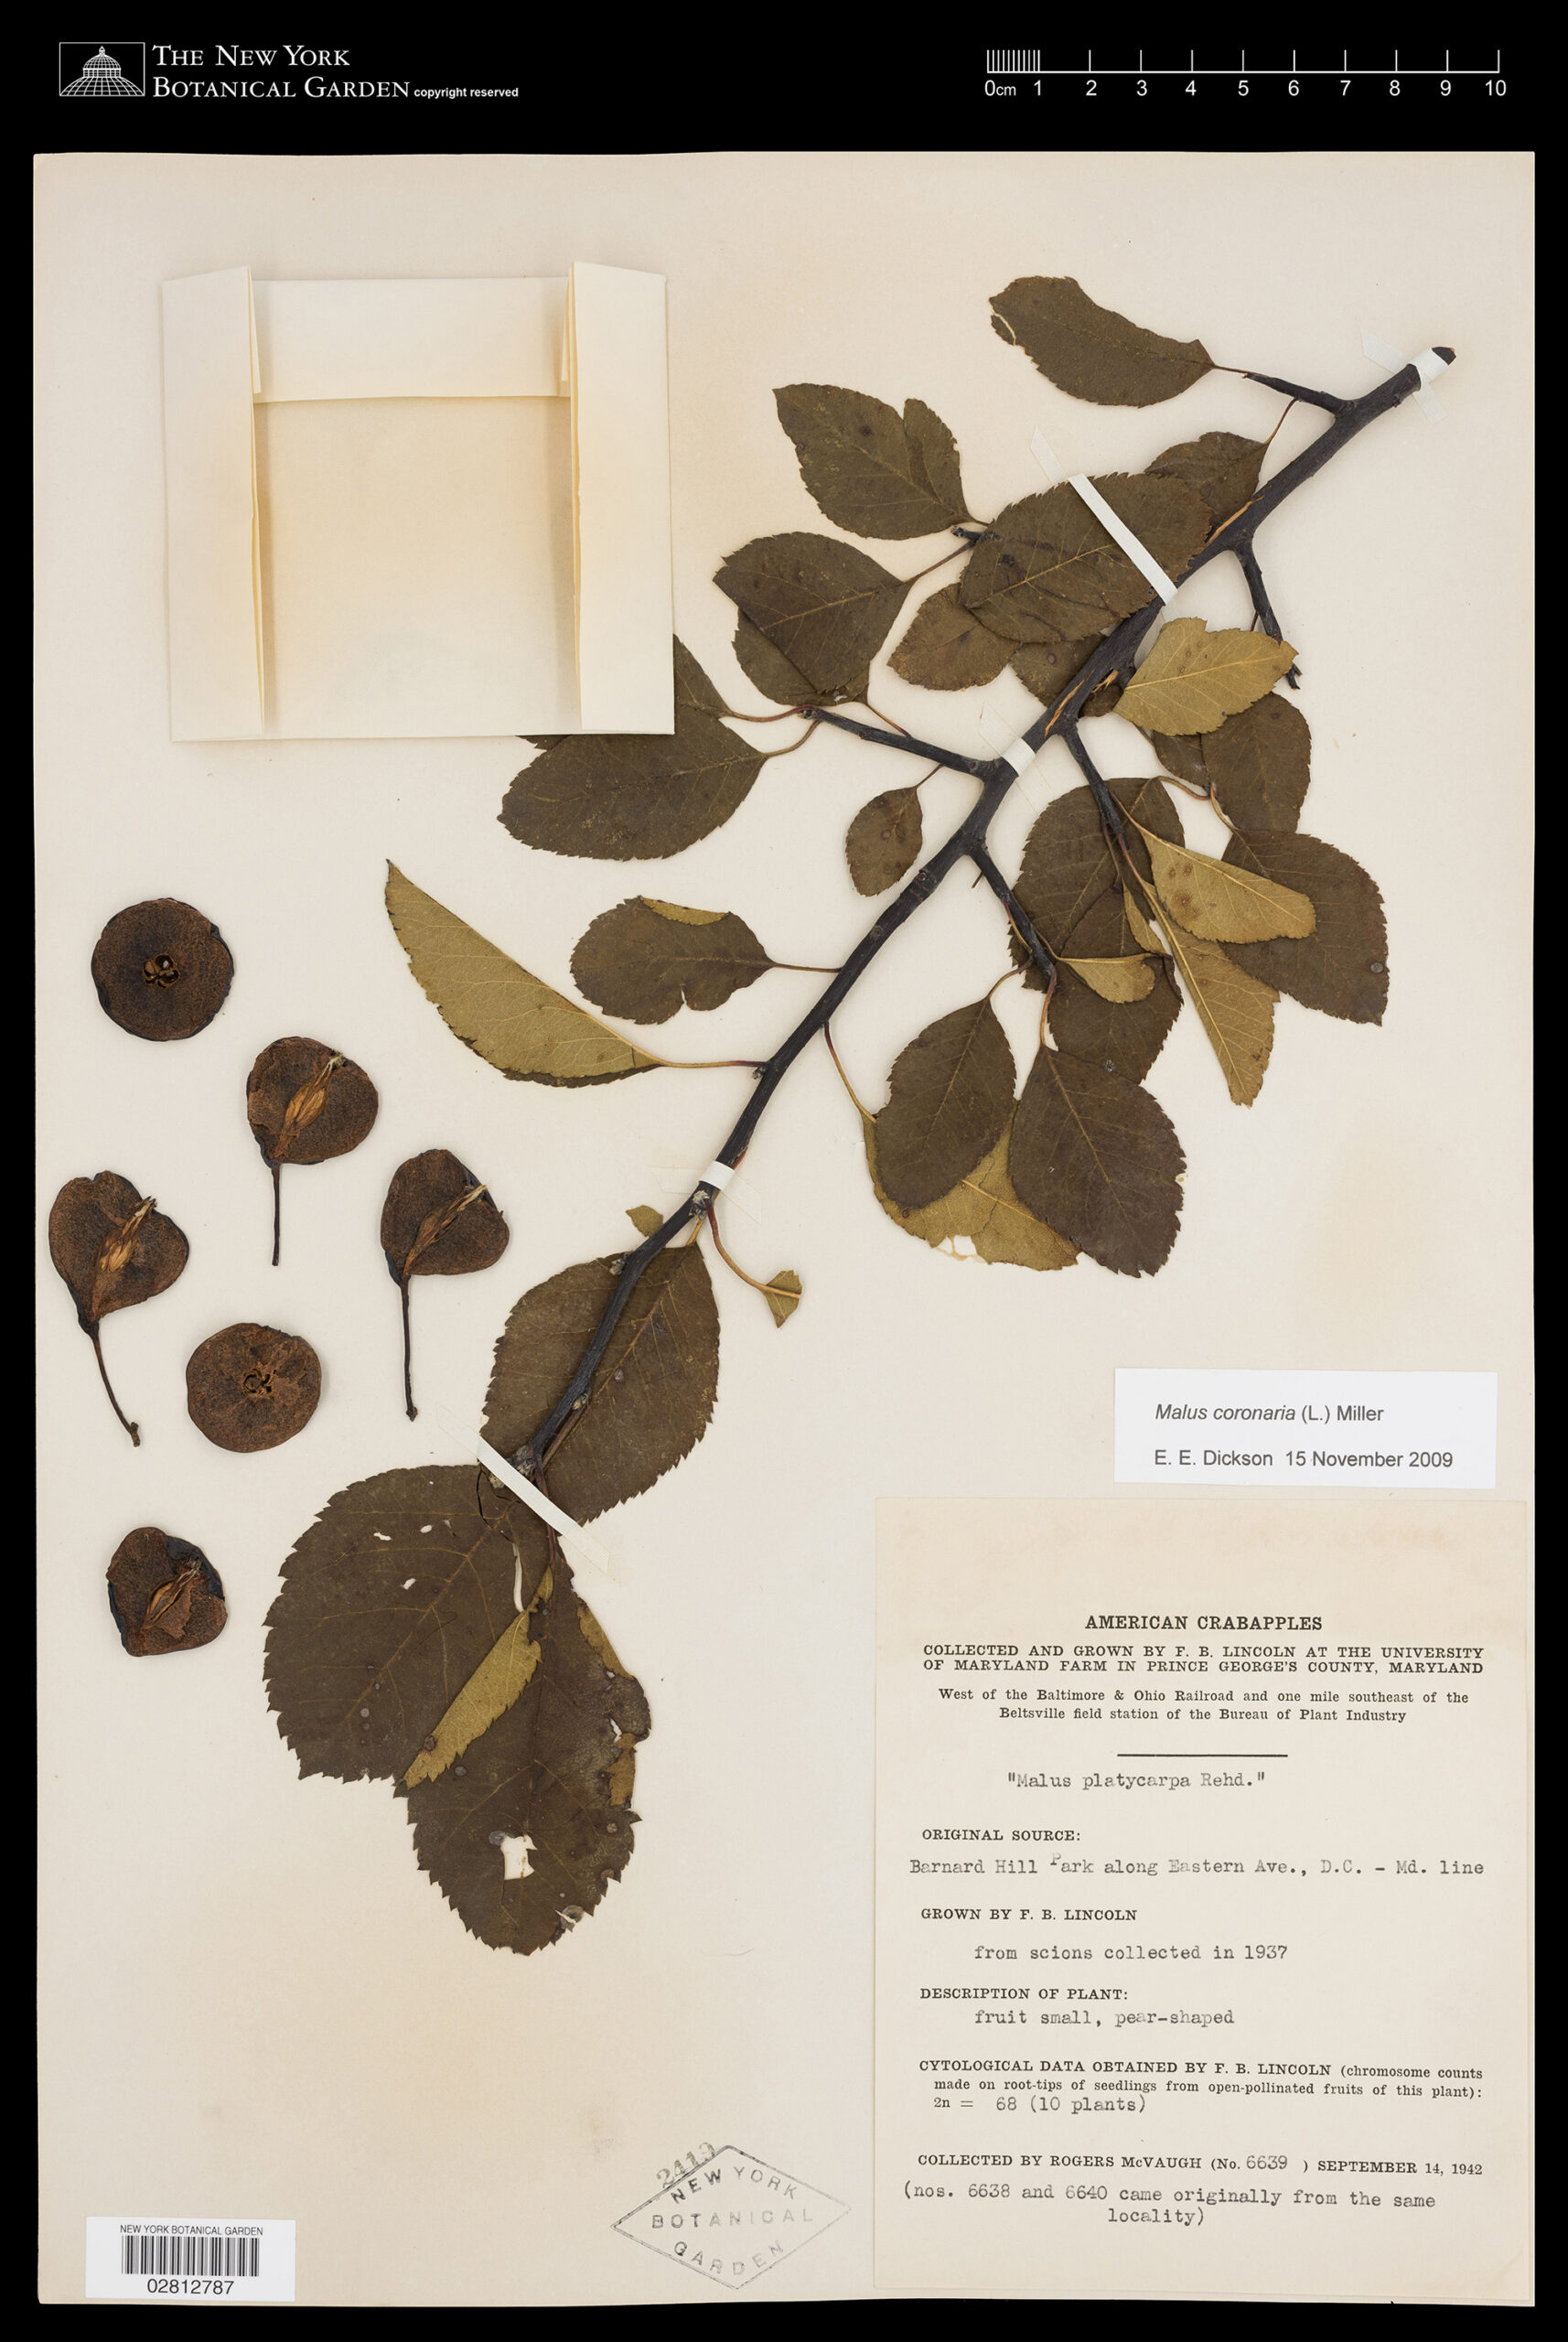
column 378, row 495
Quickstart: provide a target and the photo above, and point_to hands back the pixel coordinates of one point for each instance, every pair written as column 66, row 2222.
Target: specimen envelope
column 404, row 508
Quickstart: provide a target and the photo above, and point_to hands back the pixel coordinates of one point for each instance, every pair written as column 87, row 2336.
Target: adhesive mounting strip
column 719, row 1174
column 1428, row 365
column 577, row 1538
column 1017, row 753
column 1045, row 456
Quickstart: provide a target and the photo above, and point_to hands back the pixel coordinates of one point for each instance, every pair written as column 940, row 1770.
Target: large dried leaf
column 984, row 1210
column 636, row 797
column 826, row 605
column 1048, row 668
column 1049, row 569
column 947, row 649
column 949, row 1096
column 883, row 840
column 507, row 1017
column 1193, row 679
column 1226, row 902
column 1342, row 966
column 864, row 465
column 645, row 959
column 1097, row 1157
column 524, row 1836
column 1090, row 352
column 1236, row 1009
column 1222, row 466
column 161, row 969
column 1255, row 762
column 390, row 1602
column 651, row 1397
column 779, row 679
column 1124, row 1036
column 1068, row 864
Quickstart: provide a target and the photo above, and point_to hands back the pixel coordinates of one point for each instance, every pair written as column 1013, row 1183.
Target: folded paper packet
column 417, row 509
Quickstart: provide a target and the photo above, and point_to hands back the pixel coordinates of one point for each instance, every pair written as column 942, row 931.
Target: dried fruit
column 251, row 1387
column 307, row 1103
column 165, row 1594
column 162, row 969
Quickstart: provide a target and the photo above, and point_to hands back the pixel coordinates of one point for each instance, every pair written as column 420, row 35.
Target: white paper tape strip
column 1428, row 365
column 675, row 1176
column 1018, row 753
column 1050, row 463
column 719, row 1174
column 576, row 1541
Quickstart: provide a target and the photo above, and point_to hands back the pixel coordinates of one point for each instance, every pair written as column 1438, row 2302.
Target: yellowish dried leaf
column 1237, row 1011
column 645, row 1219
column 1116, row 979
column 984, row 1209
column 1192, row 679
column 500, row 1677
column 1223, row 901
column 782, row 1294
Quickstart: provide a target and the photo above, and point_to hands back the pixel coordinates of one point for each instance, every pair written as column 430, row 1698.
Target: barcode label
column 159, row 2255
column 174, row 2260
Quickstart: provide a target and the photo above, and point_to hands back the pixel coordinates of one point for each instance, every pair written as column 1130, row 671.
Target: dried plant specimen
column 164, row 1595
column 307, row 1103
column 438, row 1220
column 114, row 1247
column 161, row 969
column 251, row 1387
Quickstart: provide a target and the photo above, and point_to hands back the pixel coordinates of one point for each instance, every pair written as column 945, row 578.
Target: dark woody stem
column 1115, row 654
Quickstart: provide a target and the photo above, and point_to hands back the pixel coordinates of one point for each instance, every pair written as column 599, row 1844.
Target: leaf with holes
column 871, row 471
column 1090, row 352
column 525, row 1835
column 651, row 1397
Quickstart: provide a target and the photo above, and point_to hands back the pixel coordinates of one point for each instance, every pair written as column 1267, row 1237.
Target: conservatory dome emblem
column 101, row 77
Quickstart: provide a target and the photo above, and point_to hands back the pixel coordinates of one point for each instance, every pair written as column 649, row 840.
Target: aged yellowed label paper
column 1201, row 1900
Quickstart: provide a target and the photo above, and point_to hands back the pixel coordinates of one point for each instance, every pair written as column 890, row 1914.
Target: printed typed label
column 1280, row 1429
column 189, row 2261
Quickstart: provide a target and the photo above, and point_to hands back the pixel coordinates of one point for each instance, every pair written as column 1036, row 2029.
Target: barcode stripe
column 190, row 2256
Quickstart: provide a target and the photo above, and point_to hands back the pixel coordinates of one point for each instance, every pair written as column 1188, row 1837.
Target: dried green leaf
column 864, row 466
column 524, row 1836
column 645, row 959
column 161, row 969
column 1097, row 1154
column 782, row 1294
column 950, row 1095
column 636, row 797
column 651, row 1398
column 1050, row 569
column 1124, row 1036
column 1223, row 901
column 1090, row 352
column 163, row 1595
column 645, row 1219
column 1342, row 966
column 777, row 678
column 1048, row 668
column 114, row 1249
column 390, row 1603
column 1120, row 980
column 1068, row 866
column 1222, row 466
column 1237, row 1011
column 1193, row 679
column 507, row 1017
column 501, row 1676
column 1256, row 763
column 947, row 649
column 984, row 1210
column 251, row 1387
column 883, row 840
column 826, row 605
